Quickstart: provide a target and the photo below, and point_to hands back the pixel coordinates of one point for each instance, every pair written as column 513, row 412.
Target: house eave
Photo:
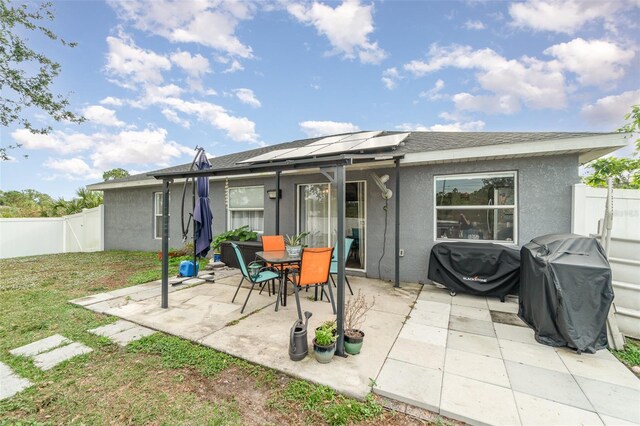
column 588, row 148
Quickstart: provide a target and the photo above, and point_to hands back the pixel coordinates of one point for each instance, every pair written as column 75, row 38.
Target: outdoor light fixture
column 273, row 194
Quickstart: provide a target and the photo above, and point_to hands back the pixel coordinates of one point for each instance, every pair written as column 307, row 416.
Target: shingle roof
column 416, row 142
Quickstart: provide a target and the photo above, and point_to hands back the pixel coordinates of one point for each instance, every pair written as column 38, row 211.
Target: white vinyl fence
column 82, row 232
column 588, row 209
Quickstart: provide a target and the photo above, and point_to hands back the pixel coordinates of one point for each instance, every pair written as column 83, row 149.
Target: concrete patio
column 467, row 358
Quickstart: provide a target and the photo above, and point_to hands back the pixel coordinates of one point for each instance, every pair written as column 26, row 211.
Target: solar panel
column 328, row 140
column 337, row 147
column 267, row 155
column 361, row 135
column 303, row 151
column 387, row 141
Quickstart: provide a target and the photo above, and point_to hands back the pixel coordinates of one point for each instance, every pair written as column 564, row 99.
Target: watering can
column 298, row 345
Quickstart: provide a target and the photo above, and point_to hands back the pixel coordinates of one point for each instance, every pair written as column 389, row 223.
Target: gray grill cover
column 566, row 291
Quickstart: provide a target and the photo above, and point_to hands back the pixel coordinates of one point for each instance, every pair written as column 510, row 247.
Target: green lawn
column 158, row 380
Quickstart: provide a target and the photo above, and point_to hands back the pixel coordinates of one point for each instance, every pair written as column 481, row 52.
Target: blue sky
column 155, row 79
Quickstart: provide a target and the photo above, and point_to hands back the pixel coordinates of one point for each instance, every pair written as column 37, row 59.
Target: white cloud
column 347, row 26
column 390, row 78
column 474, row 25
column 148, row 147
column 194, row 65
column 471, row 126
column 100, row 115
column 594, row 61
column 209, row 23
column 562, row 16
column 537, row 84
column 131, row 65
column 611, row 110
column 234, row 67
column 72, row 169
column 505, row 104
column 173, row 116
column 434, row 94
column 323, row 128
column 56, row 141
column 110, row 100
column 247, row 96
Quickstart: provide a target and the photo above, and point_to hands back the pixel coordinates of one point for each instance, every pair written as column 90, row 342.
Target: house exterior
column 482, row 186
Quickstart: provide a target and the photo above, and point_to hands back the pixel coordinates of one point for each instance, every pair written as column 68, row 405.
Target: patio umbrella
column 202, row 216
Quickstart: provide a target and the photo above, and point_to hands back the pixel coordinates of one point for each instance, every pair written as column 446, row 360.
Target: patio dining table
column 282, row 258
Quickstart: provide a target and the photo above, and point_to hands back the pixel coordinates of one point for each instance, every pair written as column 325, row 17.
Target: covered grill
column 482, row 269
column 566, row 291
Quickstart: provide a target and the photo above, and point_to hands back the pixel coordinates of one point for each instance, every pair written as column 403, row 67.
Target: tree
column 115, row 174
column 20, row 87
column 624, row 171
column 25, row 203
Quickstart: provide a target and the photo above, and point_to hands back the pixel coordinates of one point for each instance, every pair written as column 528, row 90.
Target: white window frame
column 229, row 209
column 366, row 225
column 514, row 206
column 158, row 215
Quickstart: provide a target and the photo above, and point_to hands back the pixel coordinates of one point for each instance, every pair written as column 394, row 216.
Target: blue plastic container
column 186, row 268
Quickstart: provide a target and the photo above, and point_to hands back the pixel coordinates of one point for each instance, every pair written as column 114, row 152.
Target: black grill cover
column 482, row 269
column 566, row 291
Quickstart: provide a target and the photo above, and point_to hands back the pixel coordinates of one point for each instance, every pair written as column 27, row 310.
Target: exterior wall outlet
column 401, row 252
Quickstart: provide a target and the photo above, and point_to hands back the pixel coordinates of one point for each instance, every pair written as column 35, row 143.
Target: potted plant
column 354, row 315
column 224, row 252
column 324, row 343
column 293, row 243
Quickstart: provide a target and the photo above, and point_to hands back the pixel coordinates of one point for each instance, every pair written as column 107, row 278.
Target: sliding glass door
column 318, row 216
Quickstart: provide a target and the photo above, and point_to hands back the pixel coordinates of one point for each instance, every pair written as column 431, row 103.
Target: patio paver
column 547, row 384
column 535, row 355
column 122, row 332
column 10, row 382
column 48, row 360
column 536, row 411
column 478, row 367
column 410, row 383
column 613, row 400
column 43, row 345
column 474, row 343
column 476, row 402
column 471, row 325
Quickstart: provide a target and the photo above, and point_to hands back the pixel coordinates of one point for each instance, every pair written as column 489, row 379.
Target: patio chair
column 313, row 272
column 334, row 263
column 265, row 275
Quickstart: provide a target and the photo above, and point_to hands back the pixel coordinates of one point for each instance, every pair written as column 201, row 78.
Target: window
column 246, row 207
column 157, row 214
column 476, row 207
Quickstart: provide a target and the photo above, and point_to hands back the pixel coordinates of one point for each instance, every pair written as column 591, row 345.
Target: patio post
column 278, row 203
column 165, row 243
column 340, row 183
column 397, row 233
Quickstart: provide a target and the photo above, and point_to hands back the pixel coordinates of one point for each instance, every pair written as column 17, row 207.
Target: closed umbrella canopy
column 202, row 212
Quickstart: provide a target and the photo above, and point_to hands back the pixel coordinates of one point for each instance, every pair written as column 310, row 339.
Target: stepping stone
column 127, row 336
column 193, row 281
column 40, row 346
column 111, row 329
column 10, row 382
column 48, row 360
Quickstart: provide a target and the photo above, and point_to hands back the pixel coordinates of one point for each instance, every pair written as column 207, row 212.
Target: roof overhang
column 251, row 170
column 588, row 148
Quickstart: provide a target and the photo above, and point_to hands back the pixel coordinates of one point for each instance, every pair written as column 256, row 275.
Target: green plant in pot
column 354, row 315
column 240, row 234
column 294, row 243
column 324, row 343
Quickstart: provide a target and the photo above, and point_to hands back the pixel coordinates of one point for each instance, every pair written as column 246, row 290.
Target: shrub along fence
column 81, row 232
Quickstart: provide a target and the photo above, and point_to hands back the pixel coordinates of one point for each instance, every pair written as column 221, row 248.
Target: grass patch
column 154, row 274
column 324, row 403
column 630, row 356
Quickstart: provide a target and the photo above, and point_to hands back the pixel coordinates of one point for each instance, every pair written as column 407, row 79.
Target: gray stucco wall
column 544, row 206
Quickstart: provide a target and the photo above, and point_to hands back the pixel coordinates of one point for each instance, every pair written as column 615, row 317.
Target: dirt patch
column 506, row 318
